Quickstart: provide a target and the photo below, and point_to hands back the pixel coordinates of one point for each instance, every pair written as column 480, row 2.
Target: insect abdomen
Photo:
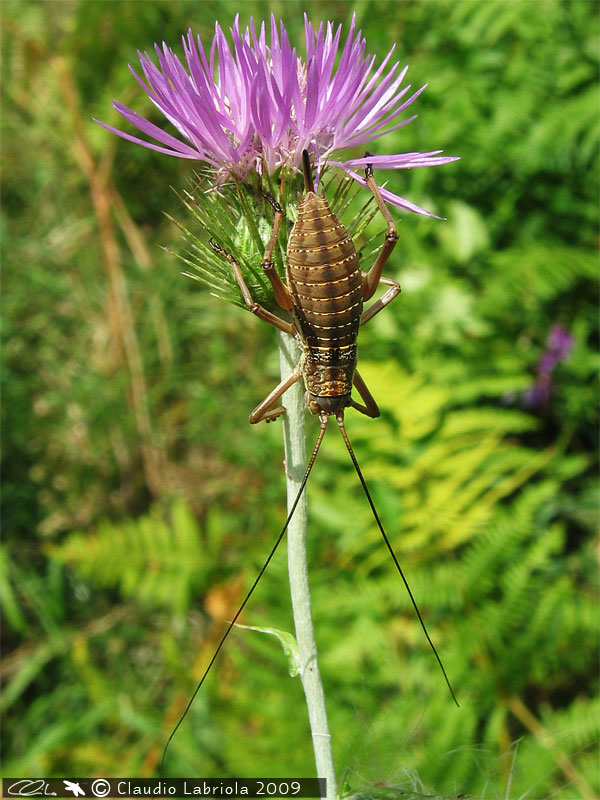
column 325, row 281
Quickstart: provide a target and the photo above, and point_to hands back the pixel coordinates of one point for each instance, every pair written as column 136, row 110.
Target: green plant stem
column 295, row 465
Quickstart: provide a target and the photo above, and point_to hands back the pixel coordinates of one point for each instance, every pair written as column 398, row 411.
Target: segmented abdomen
column 325, row 281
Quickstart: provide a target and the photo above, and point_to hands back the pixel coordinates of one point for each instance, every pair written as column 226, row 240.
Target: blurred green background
column 139, row 504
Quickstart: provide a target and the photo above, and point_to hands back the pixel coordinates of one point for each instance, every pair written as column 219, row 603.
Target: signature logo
column 73, row 786
column 34, row 788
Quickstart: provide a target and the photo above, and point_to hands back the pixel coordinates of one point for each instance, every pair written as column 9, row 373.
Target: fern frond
column 158, row 559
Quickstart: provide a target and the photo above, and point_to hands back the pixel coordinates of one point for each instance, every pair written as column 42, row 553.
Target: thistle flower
column 257, row 106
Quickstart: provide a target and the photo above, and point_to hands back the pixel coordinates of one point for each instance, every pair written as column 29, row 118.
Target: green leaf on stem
column 288, row 642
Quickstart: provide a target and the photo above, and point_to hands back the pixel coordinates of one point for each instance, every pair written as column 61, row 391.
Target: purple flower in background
column 559, row 343
column 558, row 346
column 257, row 106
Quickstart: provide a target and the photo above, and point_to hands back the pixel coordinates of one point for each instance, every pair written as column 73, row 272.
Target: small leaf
column 288, row 642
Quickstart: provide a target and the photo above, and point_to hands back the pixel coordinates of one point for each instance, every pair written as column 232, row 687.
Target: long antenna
column 340, row 421
column 324, row 421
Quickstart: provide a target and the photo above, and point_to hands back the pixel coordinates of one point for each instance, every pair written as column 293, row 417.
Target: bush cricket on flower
column 324, row 294
column 255, row 107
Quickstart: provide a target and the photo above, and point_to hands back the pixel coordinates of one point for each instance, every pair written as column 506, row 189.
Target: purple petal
column 251, row 105
column 392, row 198
column 193, row 154
column 399, row 161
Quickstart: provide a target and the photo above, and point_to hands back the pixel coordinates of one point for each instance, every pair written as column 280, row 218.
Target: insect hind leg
column 371, row 280
column 282, row 293
column 251, row 303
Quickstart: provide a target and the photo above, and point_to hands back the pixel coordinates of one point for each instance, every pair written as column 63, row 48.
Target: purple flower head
column 559, row 342
column 255, row 106
column 538, row 393
column 558, row 346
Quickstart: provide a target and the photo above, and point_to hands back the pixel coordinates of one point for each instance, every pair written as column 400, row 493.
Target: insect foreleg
column 282, row 293
column 370, row 409
column 252, row 305
column 263, row 410
column 371, row 280
column 392, row 292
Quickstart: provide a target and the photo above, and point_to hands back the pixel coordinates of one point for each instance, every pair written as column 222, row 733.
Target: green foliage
column 139, row 505
column 448, row 467
column 287, row 642
column 155, row 561
column 504, row 610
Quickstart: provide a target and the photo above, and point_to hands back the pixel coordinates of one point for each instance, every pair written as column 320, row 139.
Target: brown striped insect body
column 326, row 285
column 324, row 295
